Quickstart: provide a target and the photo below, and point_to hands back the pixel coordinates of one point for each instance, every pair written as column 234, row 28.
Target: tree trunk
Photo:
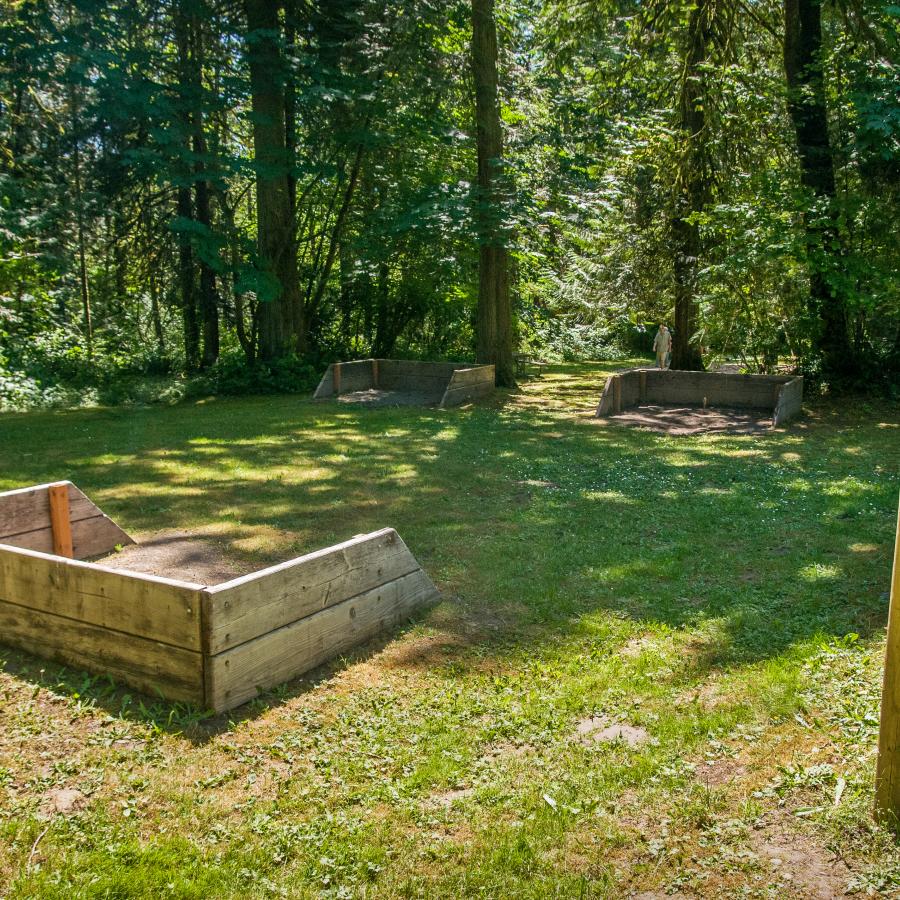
column 74, row 113
column 281, row 315
column 187, row 285
column 493, row 324
column 155, row 317
column 209, row 295
column 808, row 112
column 185, row 207
column 692, row 188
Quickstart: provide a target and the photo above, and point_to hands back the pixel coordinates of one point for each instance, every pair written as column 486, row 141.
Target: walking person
column 662, row 347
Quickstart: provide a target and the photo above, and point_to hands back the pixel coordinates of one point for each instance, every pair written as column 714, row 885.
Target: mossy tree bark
column 809, row 114
column 693, row 188
column 281, row 319
column 494, row 338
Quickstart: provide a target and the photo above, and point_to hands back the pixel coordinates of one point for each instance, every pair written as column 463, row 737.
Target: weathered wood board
column 239, row 674
column 144, row 605
column 782, row 394
column 214, row 646
column 263, row 601
column 25, row 521
column 157, row 669
column 443, row 383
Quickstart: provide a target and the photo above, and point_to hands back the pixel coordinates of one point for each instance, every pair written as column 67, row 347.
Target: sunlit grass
column 724, row 595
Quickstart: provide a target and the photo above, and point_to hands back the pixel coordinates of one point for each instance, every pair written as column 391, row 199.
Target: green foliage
column 232, row 376
column 117, row 119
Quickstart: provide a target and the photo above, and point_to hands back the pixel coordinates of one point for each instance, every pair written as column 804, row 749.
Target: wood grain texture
column 887, row 773
column 60, row 526
column 28, row 509
column 237, row 675
column 475, row 375
column 255, row 604
column 25, row 522
column 156, row 669
column 154, row 608
column 90, row 538
column 458, row 396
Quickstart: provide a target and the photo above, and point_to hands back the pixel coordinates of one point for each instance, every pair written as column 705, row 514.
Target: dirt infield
column 375, row 397
column 687, row 420
column 405, row 382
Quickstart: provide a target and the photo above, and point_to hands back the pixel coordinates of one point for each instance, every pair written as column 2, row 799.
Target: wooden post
column 642, row 377
column 887, row 773
column 617, row 394
column 336, row 375
column 375, row 373
column 60, row 525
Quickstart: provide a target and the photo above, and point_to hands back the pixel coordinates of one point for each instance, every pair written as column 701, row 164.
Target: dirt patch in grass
column 718, row 772
column 63, row 801
column 597, row 729
column 797, row 861
column 183, row 555
column 376, row 398
column 687, row 420
column 446, row 799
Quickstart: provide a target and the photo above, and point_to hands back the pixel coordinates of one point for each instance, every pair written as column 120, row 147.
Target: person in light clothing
column 662, row 347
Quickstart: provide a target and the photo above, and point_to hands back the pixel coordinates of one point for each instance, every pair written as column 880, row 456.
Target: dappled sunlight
column 517, row 501
column 670, row 588
column 820, row 572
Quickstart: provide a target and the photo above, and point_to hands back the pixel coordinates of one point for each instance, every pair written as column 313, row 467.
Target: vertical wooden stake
column 375, row 373
column 887, row 774
column 642, row 377
column 617, row 394
column 60, row 525
column 336, row 375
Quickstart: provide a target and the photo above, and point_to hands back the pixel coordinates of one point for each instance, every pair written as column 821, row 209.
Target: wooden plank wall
column 25, row 521
column 216, row 647
column 274, row 625
column 142, row 630
column 717, row 388
column 790, row 401
column 358, row 375
column 468, row 384
column 780, row 393
column 450, row 383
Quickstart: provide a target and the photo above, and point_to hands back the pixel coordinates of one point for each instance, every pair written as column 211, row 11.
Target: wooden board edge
column 299, row 560
column 168, row 684
column 236, row 695
column 84, row 564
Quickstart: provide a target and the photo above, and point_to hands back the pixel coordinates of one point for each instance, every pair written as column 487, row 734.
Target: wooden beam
column 158, row 609
column 237, row 675
column 336, row 377
column 61, row 526
column 617, row 394
column 375, row 373
column 256, row 604
column 25, row 521
column 887, row 775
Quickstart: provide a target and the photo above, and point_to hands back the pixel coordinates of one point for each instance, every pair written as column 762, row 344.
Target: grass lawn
column 722, row 598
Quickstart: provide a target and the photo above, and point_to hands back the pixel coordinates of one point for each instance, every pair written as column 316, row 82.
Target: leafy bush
column 571, row 342
column 232, row 376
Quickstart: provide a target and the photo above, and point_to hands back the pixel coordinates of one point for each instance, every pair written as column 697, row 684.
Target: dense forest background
column 238, row 192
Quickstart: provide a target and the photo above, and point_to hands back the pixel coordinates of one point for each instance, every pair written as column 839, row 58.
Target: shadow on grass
column 525, row 512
